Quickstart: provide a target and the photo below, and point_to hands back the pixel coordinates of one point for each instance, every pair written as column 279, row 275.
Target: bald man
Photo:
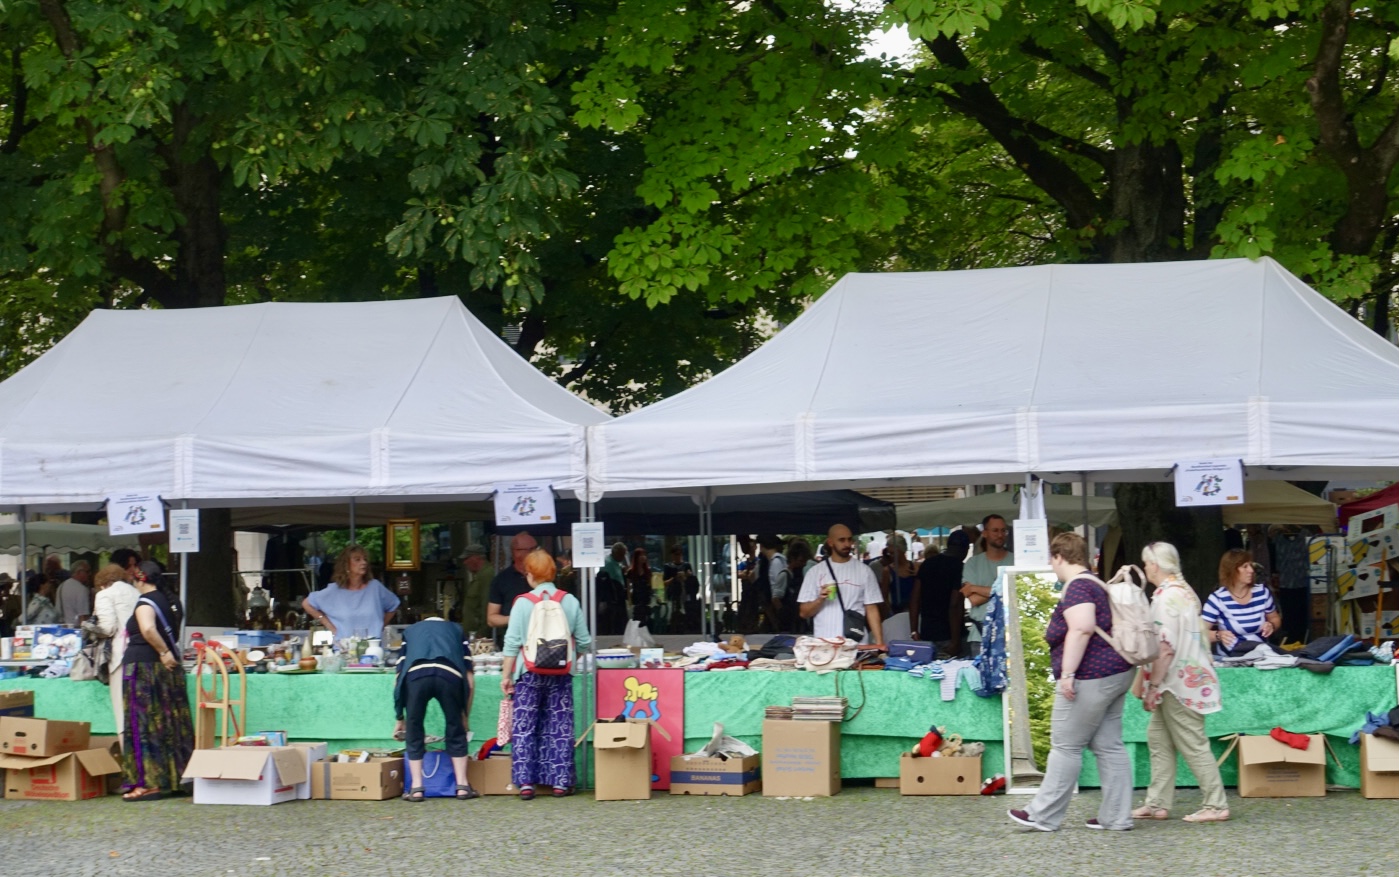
column 510, row 582
column 858, row 589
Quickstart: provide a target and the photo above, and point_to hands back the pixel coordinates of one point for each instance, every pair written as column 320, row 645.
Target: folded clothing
column 1296, row 741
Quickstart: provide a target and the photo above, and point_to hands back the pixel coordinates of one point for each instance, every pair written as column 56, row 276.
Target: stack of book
column 781, row 713
column 818, row 709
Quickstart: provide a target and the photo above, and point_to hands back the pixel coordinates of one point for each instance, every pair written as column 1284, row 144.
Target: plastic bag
column 638, row 635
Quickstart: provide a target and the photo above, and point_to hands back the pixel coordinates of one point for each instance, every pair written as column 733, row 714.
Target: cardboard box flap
column 24, row 762
column 621, row 735
column 1266, row 750
column 247, row 763
column 1381, row 755
column 97, row 762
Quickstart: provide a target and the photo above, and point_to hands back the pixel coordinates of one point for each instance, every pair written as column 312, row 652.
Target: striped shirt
column 1241, row 619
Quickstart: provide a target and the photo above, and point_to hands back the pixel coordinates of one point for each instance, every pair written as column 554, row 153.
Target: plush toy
column 487, row 748
column 994, row 785
column 931, row 743
column 951, row 745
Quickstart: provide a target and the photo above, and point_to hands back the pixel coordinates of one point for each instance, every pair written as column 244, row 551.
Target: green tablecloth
column 348, row 710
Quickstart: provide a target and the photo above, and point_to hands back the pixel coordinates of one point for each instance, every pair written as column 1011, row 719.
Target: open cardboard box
column 256, row 775
column 957, row 775
column 17, row 702
column 1379, row 767
column 377, row 779
column 1269, row 769
column 623, row 759
column 491, row 776
column 715, row 776
column 68, row 776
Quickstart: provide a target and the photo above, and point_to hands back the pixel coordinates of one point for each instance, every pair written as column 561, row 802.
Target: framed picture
column 401, row 544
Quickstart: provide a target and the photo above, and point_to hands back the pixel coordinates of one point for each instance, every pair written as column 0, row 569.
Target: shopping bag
column 823, row 654
column 638, row 635
column 439, row 781
column 505, row 721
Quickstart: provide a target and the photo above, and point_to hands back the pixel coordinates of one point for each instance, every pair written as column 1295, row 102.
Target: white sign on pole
column 1210, row 482
column 1031, row 542
column 520, row 503
column 135, row 514
column 184, row 531
column 588, row 548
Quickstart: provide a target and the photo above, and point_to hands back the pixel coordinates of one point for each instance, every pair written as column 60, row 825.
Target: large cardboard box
column 314, row 752
column 957, row 775
column 1269, row 769
column 257, row 775
column 40, row 738
column 715, row 776
column 1379, row 767
column 377, row 779
column 17, row 703
column 68, row 776
column 800, row 759
column 492, row 776
column 623, row 760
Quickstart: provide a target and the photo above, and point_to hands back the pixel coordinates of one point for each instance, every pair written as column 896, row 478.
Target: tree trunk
column 1149, row 514
column 211, row 597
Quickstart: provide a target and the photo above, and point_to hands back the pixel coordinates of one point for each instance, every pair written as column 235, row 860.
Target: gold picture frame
column 401, row 544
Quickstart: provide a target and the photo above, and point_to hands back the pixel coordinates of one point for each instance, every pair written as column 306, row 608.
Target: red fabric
column 1378, row 500
column 1296, row 741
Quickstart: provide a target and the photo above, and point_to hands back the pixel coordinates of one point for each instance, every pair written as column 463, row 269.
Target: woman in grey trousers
column 1093, row 681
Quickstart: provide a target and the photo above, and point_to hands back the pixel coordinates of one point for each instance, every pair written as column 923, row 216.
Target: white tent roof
column 225, row 406
column 1113, row 371
column 60, row 538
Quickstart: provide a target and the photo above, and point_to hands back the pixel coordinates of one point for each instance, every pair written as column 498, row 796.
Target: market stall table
column 351, row 709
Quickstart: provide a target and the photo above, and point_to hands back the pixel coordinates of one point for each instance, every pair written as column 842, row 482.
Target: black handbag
column 551, row 654
column 857, row 627
column 915, row 651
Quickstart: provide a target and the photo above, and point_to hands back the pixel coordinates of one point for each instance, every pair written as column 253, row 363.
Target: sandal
column 526, row 793
column 1207, row 816
column 1146, row 811
column 466, row 793
column 416, row 794
column 561, row 792
column 144, row 794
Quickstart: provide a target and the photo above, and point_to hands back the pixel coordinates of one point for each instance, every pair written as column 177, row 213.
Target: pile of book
column 818, row 709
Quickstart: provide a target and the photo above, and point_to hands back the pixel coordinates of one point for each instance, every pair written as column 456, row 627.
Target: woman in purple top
column 1093, row 681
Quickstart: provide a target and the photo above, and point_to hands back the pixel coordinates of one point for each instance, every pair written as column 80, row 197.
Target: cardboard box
column 1269, row 769
column 17, row 703
column 715, row 776
column 68, row 776
column 957, row 775
column 492, row 776
column 377, row 779
column 801, row 759
column 112, row 744
column 41, row 738
column 623, row 753
column 1379, row 767
column 255, row 775
column 314, row 752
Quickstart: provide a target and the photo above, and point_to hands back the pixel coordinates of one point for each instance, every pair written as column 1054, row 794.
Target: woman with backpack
column 546, row 630
column 1179, row 690
column 1092, row 681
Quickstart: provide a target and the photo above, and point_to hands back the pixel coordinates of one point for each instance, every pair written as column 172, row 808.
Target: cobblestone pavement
column 863, row 831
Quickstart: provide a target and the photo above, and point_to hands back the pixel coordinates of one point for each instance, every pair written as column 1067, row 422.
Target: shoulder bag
column 823, row 655
column 857, row 626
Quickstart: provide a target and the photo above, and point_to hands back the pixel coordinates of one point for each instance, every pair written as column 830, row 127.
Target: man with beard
column 981, row 572
column 840, row 579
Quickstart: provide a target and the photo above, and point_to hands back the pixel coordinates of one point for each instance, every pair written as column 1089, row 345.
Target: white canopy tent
column 267, row 403
column 1102, row 372
column 53, row 536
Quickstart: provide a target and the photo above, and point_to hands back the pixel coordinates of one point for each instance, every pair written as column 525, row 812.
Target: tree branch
column 19, row 103
column 1030, row 47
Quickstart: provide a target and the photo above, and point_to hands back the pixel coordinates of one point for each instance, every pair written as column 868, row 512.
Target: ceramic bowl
column 616, row 659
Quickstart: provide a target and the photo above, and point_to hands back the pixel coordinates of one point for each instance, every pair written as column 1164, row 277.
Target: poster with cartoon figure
column 658, row 695
column 135, row 514
column 1210, row 482
column 518, row 504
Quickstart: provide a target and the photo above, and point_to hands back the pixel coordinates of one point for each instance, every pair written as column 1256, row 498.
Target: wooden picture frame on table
column 401, row 541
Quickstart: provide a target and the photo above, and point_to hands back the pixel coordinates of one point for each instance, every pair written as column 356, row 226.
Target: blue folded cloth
column 1372, row 721
column 1339, row 648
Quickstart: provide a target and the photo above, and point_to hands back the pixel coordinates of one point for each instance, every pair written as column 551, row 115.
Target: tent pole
column 23, row 564
column 585, row 514
column 184, row 571
column 1087, row 528
column 352, row 520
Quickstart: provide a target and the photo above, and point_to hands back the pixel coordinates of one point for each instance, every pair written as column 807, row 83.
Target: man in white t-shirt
column 858, row 588
column 981, row 572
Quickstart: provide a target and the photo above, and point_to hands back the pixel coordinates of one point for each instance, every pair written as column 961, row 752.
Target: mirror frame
column 394, row 561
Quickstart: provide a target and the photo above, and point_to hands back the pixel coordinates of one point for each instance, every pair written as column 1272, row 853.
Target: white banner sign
column 520, row 503
column 588, row 547
column 1031, row 542
column 135, row 514
column 184, row 531
column 1210, row 482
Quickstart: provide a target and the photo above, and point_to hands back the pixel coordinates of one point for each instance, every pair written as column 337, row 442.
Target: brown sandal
column 1148, row 812
column 1207, row 816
